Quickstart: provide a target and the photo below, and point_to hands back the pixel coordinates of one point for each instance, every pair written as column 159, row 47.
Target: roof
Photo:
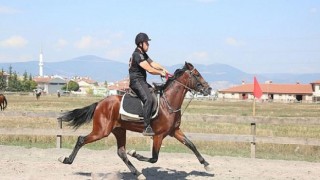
column 316, row 82
column 48, row 80
column 120, row 85
column 272, row 88
column 42, row 79
column 87, row 80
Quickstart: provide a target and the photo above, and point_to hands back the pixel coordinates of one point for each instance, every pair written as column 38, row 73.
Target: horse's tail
column 78, row 117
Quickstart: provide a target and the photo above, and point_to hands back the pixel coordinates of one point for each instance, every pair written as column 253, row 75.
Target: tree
column 27, row 83
column 3, row 82
column 71, row 86
column 25, row 76
column 15, row 84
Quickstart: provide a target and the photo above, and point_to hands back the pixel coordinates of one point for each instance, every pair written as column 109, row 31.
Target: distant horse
column 106, row 119
column 38, row 94
column 3, row 102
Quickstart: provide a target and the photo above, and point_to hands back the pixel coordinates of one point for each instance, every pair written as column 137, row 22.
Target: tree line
column 14, row 83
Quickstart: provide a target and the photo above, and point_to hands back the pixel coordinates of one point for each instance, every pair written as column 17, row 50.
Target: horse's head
column 197, row 82
column 192, row 79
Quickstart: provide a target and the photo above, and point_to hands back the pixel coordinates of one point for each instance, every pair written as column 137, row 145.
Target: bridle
column 192, row 77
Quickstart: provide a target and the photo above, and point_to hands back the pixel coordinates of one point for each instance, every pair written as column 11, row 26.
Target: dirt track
column 33, row 164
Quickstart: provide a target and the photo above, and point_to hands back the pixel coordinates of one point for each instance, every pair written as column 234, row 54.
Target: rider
column 138, row 65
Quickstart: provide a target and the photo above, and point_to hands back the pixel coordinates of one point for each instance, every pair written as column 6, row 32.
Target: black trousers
column 141, row 88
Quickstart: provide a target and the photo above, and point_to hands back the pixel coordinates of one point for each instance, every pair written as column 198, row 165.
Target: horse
column 3, row 102
column 107, row 119
column 38, row 94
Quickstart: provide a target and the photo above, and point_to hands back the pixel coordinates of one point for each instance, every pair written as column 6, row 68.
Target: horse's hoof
column 141, row 177
column 61, row 159
column 132, row 152
column 208, row 168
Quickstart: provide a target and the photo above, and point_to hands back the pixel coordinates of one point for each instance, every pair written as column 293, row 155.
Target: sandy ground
column 33, row 164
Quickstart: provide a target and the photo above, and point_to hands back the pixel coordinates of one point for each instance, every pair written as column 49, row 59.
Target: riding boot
column 148, row 131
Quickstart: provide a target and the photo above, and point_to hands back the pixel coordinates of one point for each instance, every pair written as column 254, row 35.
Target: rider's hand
column 163, row 73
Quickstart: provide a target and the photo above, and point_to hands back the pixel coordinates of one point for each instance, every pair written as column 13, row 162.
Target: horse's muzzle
column 206, row 91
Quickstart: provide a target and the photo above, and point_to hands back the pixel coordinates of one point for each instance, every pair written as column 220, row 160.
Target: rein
column 186, row 87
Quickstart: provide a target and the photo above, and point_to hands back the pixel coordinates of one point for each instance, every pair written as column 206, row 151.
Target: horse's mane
column 176, row 74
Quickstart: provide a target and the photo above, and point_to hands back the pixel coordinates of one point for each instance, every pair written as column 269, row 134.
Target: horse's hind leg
column 100, row 129
column 179, row 135
column 120, row 135
column 79, row 144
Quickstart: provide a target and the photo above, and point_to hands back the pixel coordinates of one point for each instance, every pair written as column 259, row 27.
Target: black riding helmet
column 141, row 37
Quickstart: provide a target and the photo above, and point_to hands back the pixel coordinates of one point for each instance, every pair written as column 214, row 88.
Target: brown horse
column 3, row 102
column 106, row 119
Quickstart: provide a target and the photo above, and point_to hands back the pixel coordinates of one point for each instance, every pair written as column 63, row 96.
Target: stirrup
column 148, row 131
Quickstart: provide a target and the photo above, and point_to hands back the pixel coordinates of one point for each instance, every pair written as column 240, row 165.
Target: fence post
column 59, row 136
column 253, row 142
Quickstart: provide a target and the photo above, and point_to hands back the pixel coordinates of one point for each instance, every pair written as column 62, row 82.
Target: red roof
column 120, row 85
column 42, row 79
column 272, row 88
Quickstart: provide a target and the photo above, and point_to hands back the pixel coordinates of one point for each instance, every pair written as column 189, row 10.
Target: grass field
column 269, row 151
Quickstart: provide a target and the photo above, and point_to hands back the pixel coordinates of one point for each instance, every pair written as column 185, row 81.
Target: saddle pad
column 131, row 108
column 132, row 105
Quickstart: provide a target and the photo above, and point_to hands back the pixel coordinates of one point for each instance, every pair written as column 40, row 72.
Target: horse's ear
column 186, row 64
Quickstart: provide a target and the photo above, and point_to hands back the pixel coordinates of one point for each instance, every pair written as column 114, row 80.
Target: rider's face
column 145, row 46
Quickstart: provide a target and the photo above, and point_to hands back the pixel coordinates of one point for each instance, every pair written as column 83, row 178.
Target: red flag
column 257, row 92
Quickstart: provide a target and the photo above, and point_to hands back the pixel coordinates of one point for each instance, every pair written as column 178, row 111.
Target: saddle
column 131, row 107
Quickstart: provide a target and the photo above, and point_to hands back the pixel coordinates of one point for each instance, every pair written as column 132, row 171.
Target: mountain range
column 101, row 69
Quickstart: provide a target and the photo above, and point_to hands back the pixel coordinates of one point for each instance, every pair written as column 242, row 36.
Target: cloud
column 14, row 42
column 84, row 42
column 233, row 42
column 61, row 43
column 8, row 10
column 87, row 42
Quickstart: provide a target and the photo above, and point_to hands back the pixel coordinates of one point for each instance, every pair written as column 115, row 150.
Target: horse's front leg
column 179, row 135
column 157, row 141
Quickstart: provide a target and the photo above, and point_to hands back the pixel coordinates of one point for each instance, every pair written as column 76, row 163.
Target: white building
column 274, row 92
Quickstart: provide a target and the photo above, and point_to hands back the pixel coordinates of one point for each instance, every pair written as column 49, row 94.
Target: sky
column 255, row 36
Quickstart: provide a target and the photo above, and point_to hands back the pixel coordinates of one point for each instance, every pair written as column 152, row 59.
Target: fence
column 251, row 138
